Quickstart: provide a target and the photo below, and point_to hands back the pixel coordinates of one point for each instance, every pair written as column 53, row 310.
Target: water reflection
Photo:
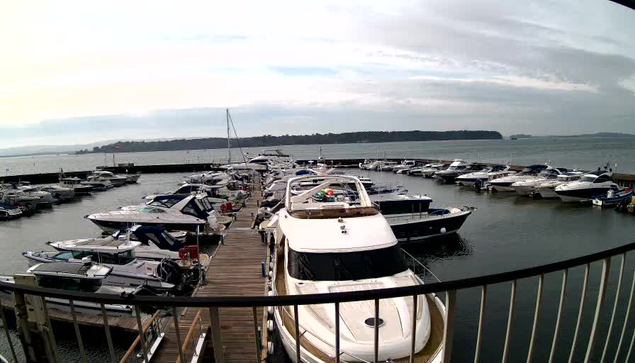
column 440, row 248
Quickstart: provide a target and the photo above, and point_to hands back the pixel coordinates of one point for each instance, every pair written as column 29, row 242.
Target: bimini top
column 327, row 196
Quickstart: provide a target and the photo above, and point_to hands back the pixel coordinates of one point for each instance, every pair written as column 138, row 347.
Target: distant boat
column 513, row 138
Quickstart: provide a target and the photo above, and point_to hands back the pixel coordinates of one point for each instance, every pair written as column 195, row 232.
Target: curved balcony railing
column 449, row 288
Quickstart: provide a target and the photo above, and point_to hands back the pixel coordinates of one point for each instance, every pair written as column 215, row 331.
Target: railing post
column 337, row 332
column 8, row 334
column 536, row 317
column 606, row 271
column 217, row 340
column 258, row 343
column 111, row 348
column 177, row 332
column 479, row 333
column 78, row 333
column 376, row 340
column 617, row 299
column 413, row 342
column 298, row 346
column 142, row 337
column 448, row 330
column 563, row 290
column 582, row 298
column 628, row 314
column 510, row 319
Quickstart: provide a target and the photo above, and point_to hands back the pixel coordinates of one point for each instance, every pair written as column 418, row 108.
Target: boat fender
column 262, row 267
column 270, row 348
column 270, row 273
column 443, row 230
column 270, row 310
column 270, row 293
column 270, row 325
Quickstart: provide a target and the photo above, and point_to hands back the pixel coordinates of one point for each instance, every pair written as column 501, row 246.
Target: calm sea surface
column 506, row 232
column 582, row 153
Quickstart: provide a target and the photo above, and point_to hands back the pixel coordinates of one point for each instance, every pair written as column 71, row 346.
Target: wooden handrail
column 190, row 332
column 136, row 341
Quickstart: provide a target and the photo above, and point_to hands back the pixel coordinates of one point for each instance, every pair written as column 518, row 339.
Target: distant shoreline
column 273, row 141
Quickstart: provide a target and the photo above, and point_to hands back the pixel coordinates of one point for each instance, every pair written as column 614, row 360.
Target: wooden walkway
column 235, row 270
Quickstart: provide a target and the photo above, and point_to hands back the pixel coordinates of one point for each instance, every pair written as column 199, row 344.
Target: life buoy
column 223, row 208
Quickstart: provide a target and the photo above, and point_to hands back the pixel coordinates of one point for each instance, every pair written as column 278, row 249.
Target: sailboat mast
column 229, row 153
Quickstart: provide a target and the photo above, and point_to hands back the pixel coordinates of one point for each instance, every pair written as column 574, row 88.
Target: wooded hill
column 269, row 140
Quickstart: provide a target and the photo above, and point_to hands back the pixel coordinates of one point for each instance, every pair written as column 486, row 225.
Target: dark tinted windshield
column 346, row 266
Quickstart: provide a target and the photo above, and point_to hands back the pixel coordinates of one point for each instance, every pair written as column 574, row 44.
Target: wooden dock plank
column 235, row 270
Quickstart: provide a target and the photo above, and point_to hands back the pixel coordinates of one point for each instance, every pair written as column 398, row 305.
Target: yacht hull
column 585, row 195
column 412, row 227
column 114, row 226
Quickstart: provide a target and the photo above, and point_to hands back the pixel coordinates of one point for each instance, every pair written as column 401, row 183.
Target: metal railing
column 449, row 288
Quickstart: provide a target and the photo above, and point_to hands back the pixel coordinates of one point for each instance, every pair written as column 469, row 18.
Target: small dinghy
column 614, row 198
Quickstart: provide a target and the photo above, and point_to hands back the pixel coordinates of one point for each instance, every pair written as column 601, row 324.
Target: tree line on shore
column 269, row 140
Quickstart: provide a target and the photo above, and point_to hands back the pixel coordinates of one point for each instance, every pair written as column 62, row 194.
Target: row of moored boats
column 149, row 249
column 23, row 199
column 538, row 180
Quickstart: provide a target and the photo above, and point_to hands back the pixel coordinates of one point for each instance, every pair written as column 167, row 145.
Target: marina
column 235, row 266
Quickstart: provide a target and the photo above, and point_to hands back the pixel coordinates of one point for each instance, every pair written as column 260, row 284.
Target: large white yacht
column 174, row 212
column 504, row 184
column 330, row 242
column 469, row 179
column 527, row 186
column 115, row 180
column 546, row 189
column 591, row 185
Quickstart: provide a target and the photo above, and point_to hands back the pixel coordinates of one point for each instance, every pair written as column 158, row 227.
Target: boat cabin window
column 151, row 210
column 602, row 179
column 167, row 203
column 69, row 284
column 195, row 209
column 186, row 189
column 391, row 207
column 346, row 265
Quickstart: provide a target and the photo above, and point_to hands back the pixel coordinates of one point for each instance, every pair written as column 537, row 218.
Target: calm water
column 582, row 153
column 506, row 232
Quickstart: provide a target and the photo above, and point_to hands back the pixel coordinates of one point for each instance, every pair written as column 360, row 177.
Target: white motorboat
column 590, row 185
column 547, row 189
column 127, row 271
column 173, row 212
column 8, row 212
column 157, row 244
column 404, row 166
column 430, row 171
column 44, row 198
column 268, row 159
column 133, row 178
column 98, row 183
column 455, row 169
column 412, row 219
column 341, row 243
column 59, row 193
column 210, row 178
column 83, row 277
column 76, row 184
column 528, row 186
column 504, row 184
column 388, row 166
column 115, row 180
column 483, row 176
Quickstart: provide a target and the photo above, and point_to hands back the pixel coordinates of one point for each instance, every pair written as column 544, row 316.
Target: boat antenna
column 229, row 153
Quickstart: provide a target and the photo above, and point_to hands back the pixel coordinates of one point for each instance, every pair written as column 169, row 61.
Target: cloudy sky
column 78, row 72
